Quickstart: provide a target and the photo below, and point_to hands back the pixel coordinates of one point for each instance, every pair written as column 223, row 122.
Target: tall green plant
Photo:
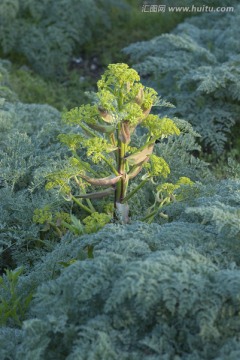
column 103, row 135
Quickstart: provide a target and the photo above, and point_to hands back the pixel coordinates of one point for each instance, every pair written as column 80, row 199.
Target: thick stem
column 142, row 183
column 122, row 184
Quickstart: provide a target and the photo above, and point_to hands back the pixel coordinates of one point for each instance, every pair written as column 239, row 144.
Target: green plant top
column 102, row 135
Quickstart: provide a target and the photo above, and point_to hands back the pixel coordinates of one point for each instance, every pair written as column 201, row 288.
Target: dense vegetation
column 199, row 73
column 165, row 283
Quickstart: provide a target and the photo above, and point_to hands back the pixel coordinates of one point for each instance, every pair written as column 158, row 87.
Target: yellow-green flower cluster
column 160, row 127
column 149, row 98
column 168, row 189
column 73, row 141
column 96, row 221
column 158, row 166
column 135, row 93
column 118, row 75
column 109, row 208
column 59, row 179
column 96, row 147
column 184, row 181
column 75, row 163
column 133, row 113
column 41, row 216
column 63, row 216
column 107, row 100
column 87, row 113
column 61, row 184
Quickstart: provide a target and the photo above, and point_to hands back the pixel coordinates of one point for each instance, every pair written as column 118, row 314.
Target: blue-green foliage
column 47, row 32
column 150, row 291
column 28, row 148
column 197, row 68
column 168, row 290
column 9, row 339
column 217, row 207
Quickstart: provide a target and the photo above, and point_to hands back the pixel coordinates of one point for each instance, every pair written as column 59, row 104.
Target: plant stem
column 142, row 183
column 71, row 228
column 90, row 205
column 56, row 228
column 79, row 203
column 83, row 190
column 86, row 166
column 153, row 213
column 110, row 165
column 121, row 187
column 88, row 131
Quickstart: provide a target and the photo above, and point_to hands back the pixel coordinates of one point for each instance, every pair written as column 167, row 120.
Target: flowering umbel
column 103, row 135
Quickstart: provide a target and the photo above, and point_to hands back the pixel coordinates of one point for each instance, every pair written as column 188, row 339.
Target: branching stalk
column 79, row 203
column 122, row 103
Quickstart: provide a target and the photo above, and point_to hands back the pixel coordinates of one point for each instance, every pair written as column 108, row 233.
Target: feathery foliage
column 46, row 33
column 149, row 291
column 28, row 147
column 168, row 289
column 196, row 67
